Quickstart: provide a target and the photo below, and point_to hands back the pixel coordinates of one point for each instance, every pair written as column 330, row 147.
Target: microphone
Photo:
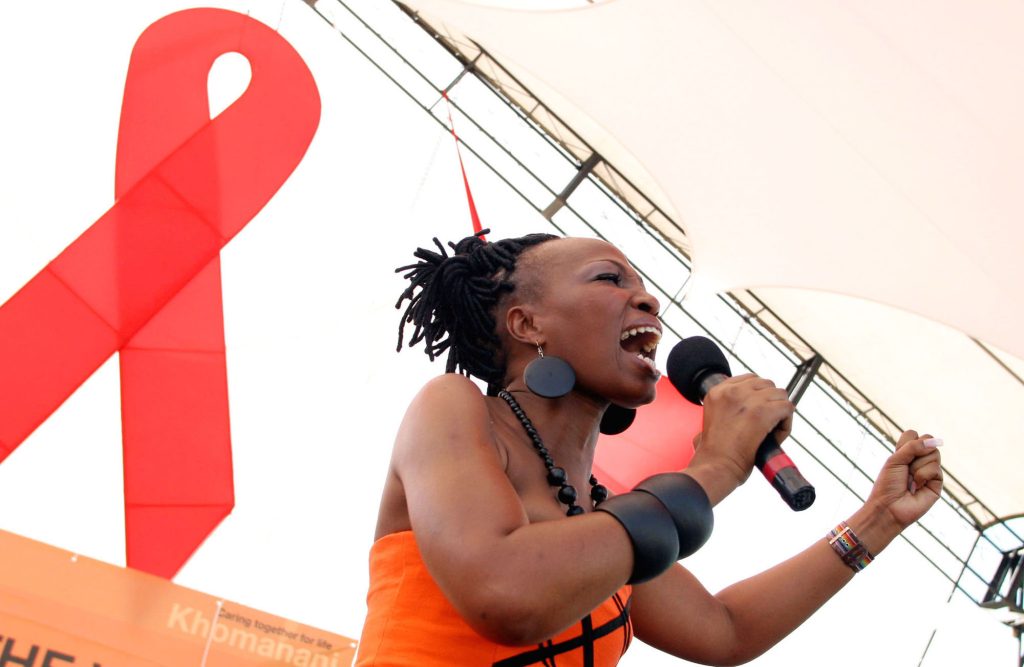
column 695, row 365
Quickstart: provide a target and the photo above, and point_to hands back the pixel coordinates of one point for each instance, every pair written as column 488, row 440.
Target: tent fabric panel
column 928, row 377
column 963, row 47
column 758, row 160
column 1013, row 364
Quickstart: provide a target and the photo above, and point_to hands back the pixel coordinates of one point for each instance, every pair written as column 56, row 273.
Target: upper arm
column 675, row 613
column 460, row 502
column 446, row 458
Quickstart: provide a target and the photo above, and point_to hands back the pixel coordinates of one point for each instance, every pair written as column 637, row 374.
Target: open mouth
column 642, row 342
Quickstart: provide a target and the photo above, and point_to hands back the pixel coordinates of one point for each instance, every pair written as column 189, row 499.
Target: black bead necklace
column 556, row 476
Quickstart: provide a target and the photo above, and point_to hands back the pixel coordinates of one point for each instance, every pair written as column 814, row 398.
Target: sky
column 316, row 388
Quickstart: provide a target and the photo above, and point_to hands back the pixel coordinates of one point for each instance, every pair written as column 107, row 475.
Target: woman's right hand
column 738, row 414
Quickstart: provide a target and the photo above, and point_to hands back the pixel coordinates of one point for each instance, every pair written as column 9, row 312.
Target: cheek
column 592, row 340
column 586, row 321
column 587, row 325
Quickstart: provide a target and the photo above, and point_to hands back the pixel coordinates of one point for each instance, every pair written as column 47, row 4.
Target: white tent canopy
column 857, row 167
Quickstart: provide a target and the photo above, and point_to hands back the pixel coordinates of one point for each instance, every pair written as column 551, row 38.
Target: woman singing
column 496, row 546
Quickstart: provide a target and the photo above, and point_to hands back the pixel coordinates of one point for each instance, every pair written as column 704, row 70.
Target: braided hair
column 452, row 300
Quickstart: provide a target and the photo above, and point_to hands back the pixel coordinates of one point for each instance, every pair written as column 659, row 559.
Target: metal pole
column 563, row 196
column 803, row 377
column 950, row 597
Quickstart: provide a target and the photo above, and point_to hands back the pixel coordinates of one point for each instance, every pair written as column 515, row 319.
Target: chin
column 636, row 398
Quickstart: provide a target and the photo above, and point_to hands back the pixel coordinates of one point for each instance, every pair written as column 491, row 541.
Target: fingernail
column 913, row 487
column 932, row 442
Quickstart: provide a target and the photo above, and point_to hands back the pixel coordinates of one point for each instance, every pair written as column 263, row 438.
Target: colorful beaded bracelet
column 845, row 542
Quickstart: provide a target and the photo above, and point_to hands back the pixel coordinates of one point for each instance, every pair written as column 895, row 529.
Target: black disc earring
column 616, row 419
column 549, row 377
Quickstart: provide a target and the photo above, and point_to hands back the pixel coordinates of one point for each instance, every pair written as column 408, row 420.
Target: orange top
column 409, row 622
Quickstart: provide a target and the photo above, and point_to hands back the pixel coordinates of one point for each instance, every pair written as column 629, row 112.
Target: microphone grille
column 690, row 361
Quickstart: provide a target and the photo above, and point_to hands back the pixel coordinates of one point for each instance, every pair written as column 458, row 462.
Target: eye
column 611, row 277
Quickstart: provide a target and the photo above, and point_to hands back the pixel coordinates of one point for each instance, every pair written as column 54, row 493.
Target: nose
column 645, row 301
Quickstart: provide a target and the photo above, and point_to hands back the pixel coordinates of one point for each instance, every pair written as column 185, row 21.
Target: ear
column 522, row 326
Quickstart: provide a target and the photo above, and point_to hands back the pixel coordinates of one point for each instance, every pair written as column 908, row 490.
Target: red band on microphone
column 775, row 464
column 144, row 279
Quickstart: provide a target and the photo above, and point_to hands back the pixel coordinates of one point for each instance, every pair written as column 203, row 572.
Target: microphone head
column 690, row 361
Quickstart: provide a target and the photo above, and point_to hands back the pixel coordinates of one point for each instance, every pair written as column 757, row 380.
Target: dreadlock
column 454, row 307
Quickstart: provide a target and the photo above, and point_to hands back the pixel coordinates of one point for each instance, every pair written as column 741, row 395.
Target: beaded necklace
column 556, row 476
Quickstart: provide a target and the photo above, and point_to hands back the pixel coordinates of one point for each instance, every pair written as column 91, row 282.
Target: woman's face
column 591, row 308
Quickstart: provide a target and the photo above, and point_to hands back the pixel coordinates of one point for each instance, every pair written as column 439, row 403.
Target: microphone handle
column 777, row 468
column 782, row 473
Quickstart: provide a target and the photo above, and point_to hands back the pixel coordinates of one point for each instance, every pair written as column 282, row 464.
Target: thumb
column 909, row 448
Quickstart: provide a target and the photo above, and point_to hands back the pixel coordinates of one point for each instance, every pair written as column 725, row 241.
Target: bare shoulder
column 450, row 386
column 450, row 395
column 448, row 413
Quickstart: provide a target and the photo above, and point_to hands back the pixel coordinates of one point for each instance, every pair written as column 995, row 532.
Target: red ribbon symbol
column 144, row 279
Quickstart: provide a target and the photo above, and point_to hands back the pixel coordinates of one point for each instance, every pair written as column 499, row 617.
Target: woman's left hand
column 911, row 479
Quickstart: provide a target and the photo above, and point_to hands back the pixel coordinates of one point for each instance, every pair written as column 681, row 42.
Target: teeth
column 649, row 363
column 640, row 330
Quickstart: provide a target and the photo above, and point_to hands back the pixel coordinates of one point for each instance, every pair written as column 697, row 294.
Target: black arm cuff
column 650, row 529
column 688, row 505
